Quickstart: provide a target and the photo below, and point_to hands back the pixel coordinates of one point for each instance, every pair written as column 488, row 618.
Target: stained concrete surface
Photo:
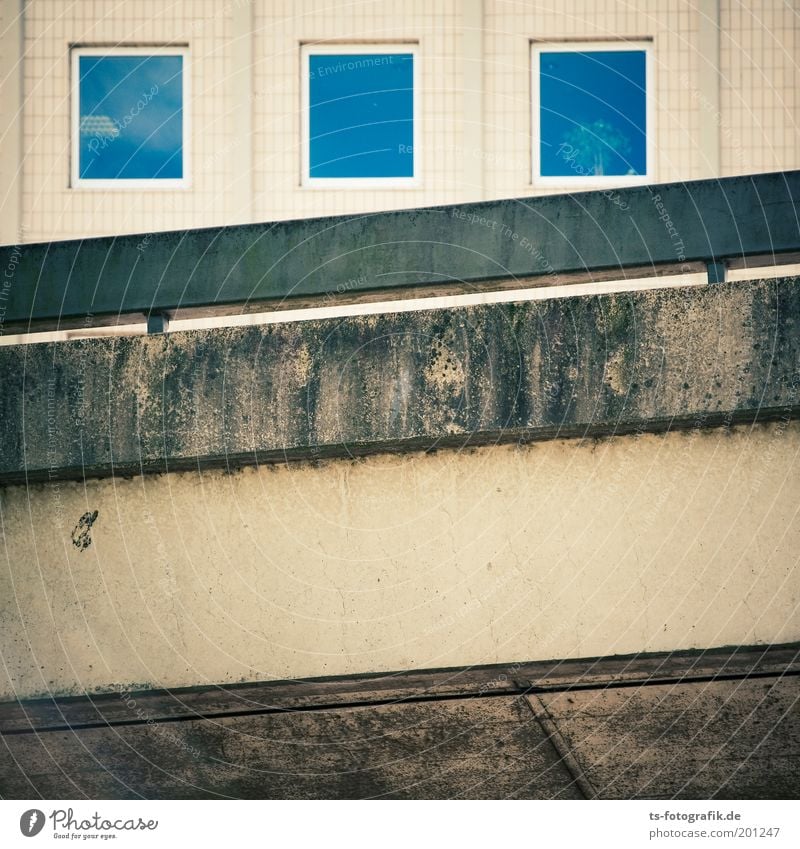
column 695, row 740
column 566, row 548
column 627, row 362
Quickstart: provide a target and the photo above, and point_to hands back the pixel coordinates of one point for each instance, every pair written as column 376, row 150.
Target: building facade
column 472, row 100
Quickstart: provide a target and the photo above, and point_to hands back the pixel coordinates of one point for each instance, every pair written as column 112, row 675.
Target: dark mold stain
column 81, row 536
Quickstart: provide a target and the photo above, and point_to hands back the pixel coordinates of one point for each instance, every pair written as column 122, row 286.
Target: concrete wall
column 637, row 361
column 532, row 550
column 725, row 99
column 496, row 554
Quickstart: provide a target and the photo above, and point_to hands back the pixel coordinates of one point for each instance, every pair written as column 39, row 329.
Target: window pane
column 131, row 117
column 361, row 115
column 593, row 113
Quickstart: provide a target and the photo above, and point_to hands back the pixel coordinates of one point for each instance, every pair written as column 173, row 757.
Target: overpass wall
column 575, row 478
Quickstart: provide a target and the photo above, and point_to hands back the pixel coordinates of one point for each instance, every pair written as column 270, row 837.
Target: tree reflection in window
column 592, row 113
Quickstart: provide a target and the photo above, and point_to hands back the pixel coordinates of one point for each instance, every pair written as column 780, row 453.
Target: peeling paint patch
column 444, row 370
column 81, row 536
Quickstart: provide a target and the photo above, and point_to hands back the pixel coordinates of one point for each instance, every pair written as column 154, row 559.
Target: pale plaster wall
column 554, row 550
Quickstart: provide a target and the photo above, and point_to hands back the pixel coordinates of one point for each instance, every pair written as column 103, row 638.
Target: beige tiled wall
column 51, row 209
column 512, row 25
column 760, row 85
column 10, row 129
column 281, row 27
column 754, row 112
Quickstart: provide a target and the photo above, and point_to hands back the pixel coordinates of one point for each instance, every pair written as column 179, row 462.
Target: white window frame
column 152, row 183
column 581, row 181
column 306, row 181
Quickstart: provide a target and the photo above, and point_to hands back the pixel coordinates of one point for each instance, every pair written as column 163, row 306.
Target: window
column 360, row 115
column 592, row 122
column 129, row 117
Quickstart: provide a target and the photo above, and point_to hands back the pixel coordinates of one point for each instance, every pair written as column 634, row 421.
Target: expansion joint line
column 542, row 716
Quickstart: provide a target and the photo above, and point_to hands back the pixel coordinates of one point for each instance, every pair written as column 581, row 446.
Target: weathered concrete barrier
column 630, row 362
column 686, row 226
